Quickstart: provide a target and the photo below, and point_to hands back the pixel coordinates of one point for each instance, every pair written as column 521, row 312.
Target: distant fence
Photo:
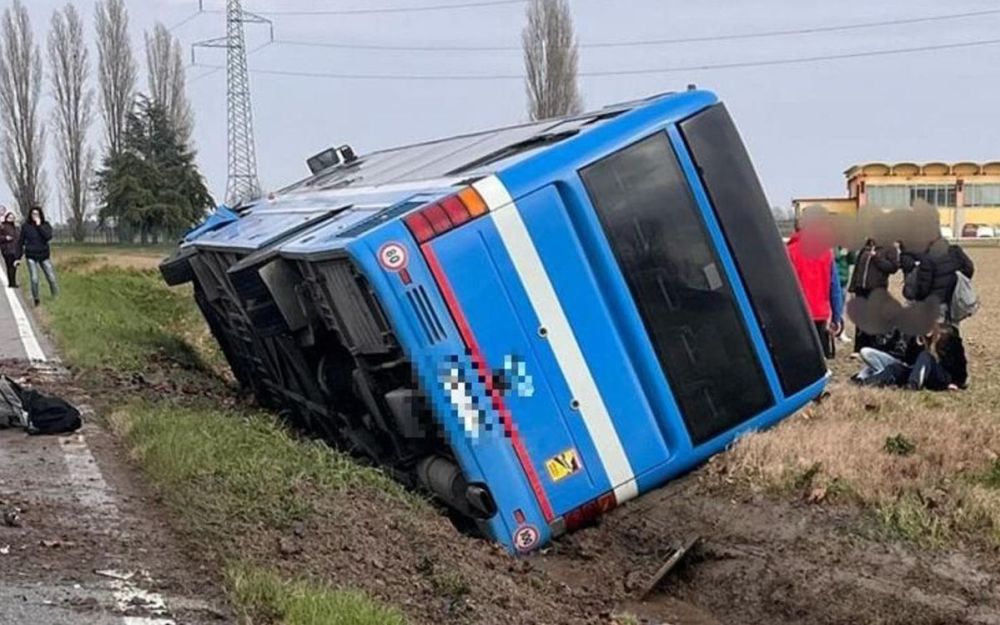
column 104, row 235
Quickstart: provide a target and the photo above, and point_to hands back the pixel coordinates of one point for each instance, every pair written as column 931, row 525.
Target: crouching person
column 935, row 362
column 941, row 365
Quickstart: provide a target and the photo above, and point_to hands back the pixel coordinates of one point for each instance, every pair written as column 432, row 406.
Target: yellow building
column 967, row 194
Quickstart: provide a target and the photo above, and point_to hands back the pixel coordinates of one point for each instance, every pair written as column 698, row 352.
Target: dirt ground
column 83, row 551
column 761, row 558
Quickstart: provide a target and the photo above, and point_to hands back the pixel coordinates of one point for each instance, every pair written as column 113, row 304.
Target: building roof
column 932, row 168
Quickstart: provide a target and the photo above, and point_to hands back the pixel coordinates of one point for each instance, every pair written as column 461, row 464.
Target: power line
column 185, row 21
column 383, row 10
column 629, row 72
column 218, row 68
column 649, row 42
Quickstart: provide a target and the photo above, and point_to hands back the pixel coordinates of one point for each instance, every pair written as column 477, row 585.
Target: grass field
column 926, row 463
column 923, row 465
column 217, row 468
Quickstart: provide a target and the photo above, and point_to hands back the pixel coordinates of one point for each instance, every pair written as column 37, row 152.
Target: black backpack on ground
column 49, row 415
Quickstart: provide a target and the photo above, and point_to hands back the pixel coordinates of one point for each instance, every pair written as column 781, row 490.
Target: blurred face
column 35, row 214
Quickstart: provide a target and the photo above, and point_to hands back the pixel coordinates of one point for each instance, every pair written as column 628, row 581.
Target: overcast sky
column 804, row 124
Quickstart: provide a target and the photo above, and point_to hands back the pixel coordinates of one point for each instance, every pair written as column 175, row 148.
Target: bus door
column 539, row 418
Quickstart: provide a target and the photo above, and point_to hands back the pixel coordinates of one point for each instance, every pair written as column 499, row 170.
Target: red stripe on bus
column 496, row 397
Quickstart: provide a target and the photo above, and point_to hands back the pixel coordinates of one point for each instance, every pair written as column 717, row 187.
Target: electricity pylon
column 243, row 184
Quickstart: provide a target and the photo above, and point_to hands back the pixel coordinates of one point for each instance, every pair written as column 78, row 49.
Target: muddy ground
column 758, row 560
column 65, row 556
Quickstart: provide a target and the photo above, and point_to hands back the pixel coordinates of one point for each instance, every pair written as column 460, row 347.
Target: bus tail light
column 440, row 217
column 589, row 511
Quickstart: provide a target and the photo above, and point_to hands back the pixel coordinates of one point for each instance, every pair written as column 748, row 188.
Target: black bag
column 49, row 415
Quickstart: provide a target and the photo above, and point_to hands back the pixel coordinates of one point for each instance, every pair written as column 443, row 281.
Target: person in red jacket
column 810, row 251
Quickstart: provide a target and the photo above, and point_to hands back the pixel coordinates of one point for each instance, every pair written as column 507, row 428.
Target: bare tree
column 116, row 69
column 69, row 65
column 167, row 84
column 22, row 141
column 550, row 60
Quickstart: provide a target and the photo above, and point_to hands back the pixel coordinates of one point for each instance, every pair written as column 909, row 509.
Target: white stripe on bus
column 560, row 335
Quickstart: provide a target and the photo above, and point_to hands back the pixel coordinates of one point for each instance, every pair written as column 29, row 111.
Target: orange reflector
column 473, row 202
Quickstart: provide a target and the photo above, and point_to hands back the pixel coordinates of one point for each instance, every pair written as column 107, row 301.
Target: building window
column 934, row 194
column 888, row 196
column 981, row 195
column 904, row 195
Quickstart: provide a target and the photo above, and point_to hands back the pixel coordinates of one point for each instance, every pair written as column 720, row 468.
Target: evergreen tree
column 153, row 183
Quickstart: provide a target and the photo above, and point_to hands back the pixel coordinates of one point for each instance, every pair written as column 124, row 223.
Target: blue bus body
column 536, row 324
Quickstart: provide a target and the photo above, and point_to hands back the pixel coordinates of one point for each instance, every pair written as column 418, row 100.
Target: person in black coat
column 875, row 263
column 942, row 364
column 936, row 273
column 34, row 244
column 9, row 237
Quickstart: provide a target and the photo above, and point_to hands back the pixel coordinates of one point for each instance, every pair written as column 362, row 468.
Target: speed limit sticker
column 393, row 256
column 526, row 537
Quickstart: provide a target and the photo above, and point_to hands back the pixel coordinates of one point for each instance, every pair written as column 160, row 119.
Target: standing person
column 34, row 242
column 9, row 238
column 816, row 271
column 875, row 264
column 936, row 273
column 844, row 259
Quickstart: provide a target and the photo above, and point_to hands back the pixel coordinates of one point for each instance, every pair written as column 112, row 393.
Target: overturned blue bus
column 535, row 323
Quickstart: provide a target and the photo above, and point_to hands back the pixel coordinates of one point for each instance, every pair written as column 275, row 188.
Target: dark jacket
column 946, row 364
column 875, row 265
column 951, row 355
column 9, row 238
column 936, row 273
column 35, row 240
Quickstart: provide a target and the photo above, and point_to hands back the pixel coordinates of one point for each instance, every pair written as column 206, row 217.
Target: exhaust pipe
column 444, row 478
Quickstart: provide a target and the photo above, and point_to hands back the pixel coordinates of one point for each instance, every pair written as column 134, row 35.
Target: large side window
column 659, row 237
column 746, row 221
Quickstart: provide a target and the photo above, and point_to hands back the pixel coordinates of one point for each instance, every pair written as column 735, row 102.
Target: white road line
column 93, row 492
column 528, row 264
column 32, row 348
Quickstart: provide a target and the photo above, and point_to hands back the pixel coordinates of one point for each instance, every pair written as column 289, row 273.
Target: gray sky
column 804, row 124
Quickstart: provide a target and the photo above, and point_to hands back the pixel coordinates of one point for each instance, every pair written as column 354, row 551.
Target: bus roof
column 465, row 156
column 362, row 194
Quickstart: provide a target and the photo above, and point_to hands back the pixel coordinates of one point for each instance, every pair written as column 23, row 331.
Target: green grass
column 266, row 597
column 120, row 318
column 222, row 466
column 230, row 474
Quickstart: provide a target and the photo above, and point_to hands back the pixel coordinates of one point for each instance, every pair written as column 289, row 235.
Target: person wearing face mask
column 34, row 243
column 10, row 235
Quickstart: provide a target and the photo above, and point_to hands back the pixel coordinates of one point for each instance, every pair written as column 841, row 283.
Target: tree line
column 146, row 179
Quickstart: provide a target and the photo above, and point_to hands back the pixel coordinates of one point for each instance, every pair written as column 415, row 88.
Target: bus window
column 656, row 231
column 746, row 221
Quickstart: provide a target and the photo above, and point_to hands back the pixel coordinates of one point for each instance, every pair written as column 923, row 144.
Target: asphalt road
column 88, row 544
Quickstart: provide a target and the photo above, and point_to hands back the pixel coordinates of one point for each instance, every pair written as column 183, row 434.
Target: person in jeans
column 935, row 362
column 881, row 369
column 844, row 259
column 9, row 237
column 34, row 243
column 942, row 364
